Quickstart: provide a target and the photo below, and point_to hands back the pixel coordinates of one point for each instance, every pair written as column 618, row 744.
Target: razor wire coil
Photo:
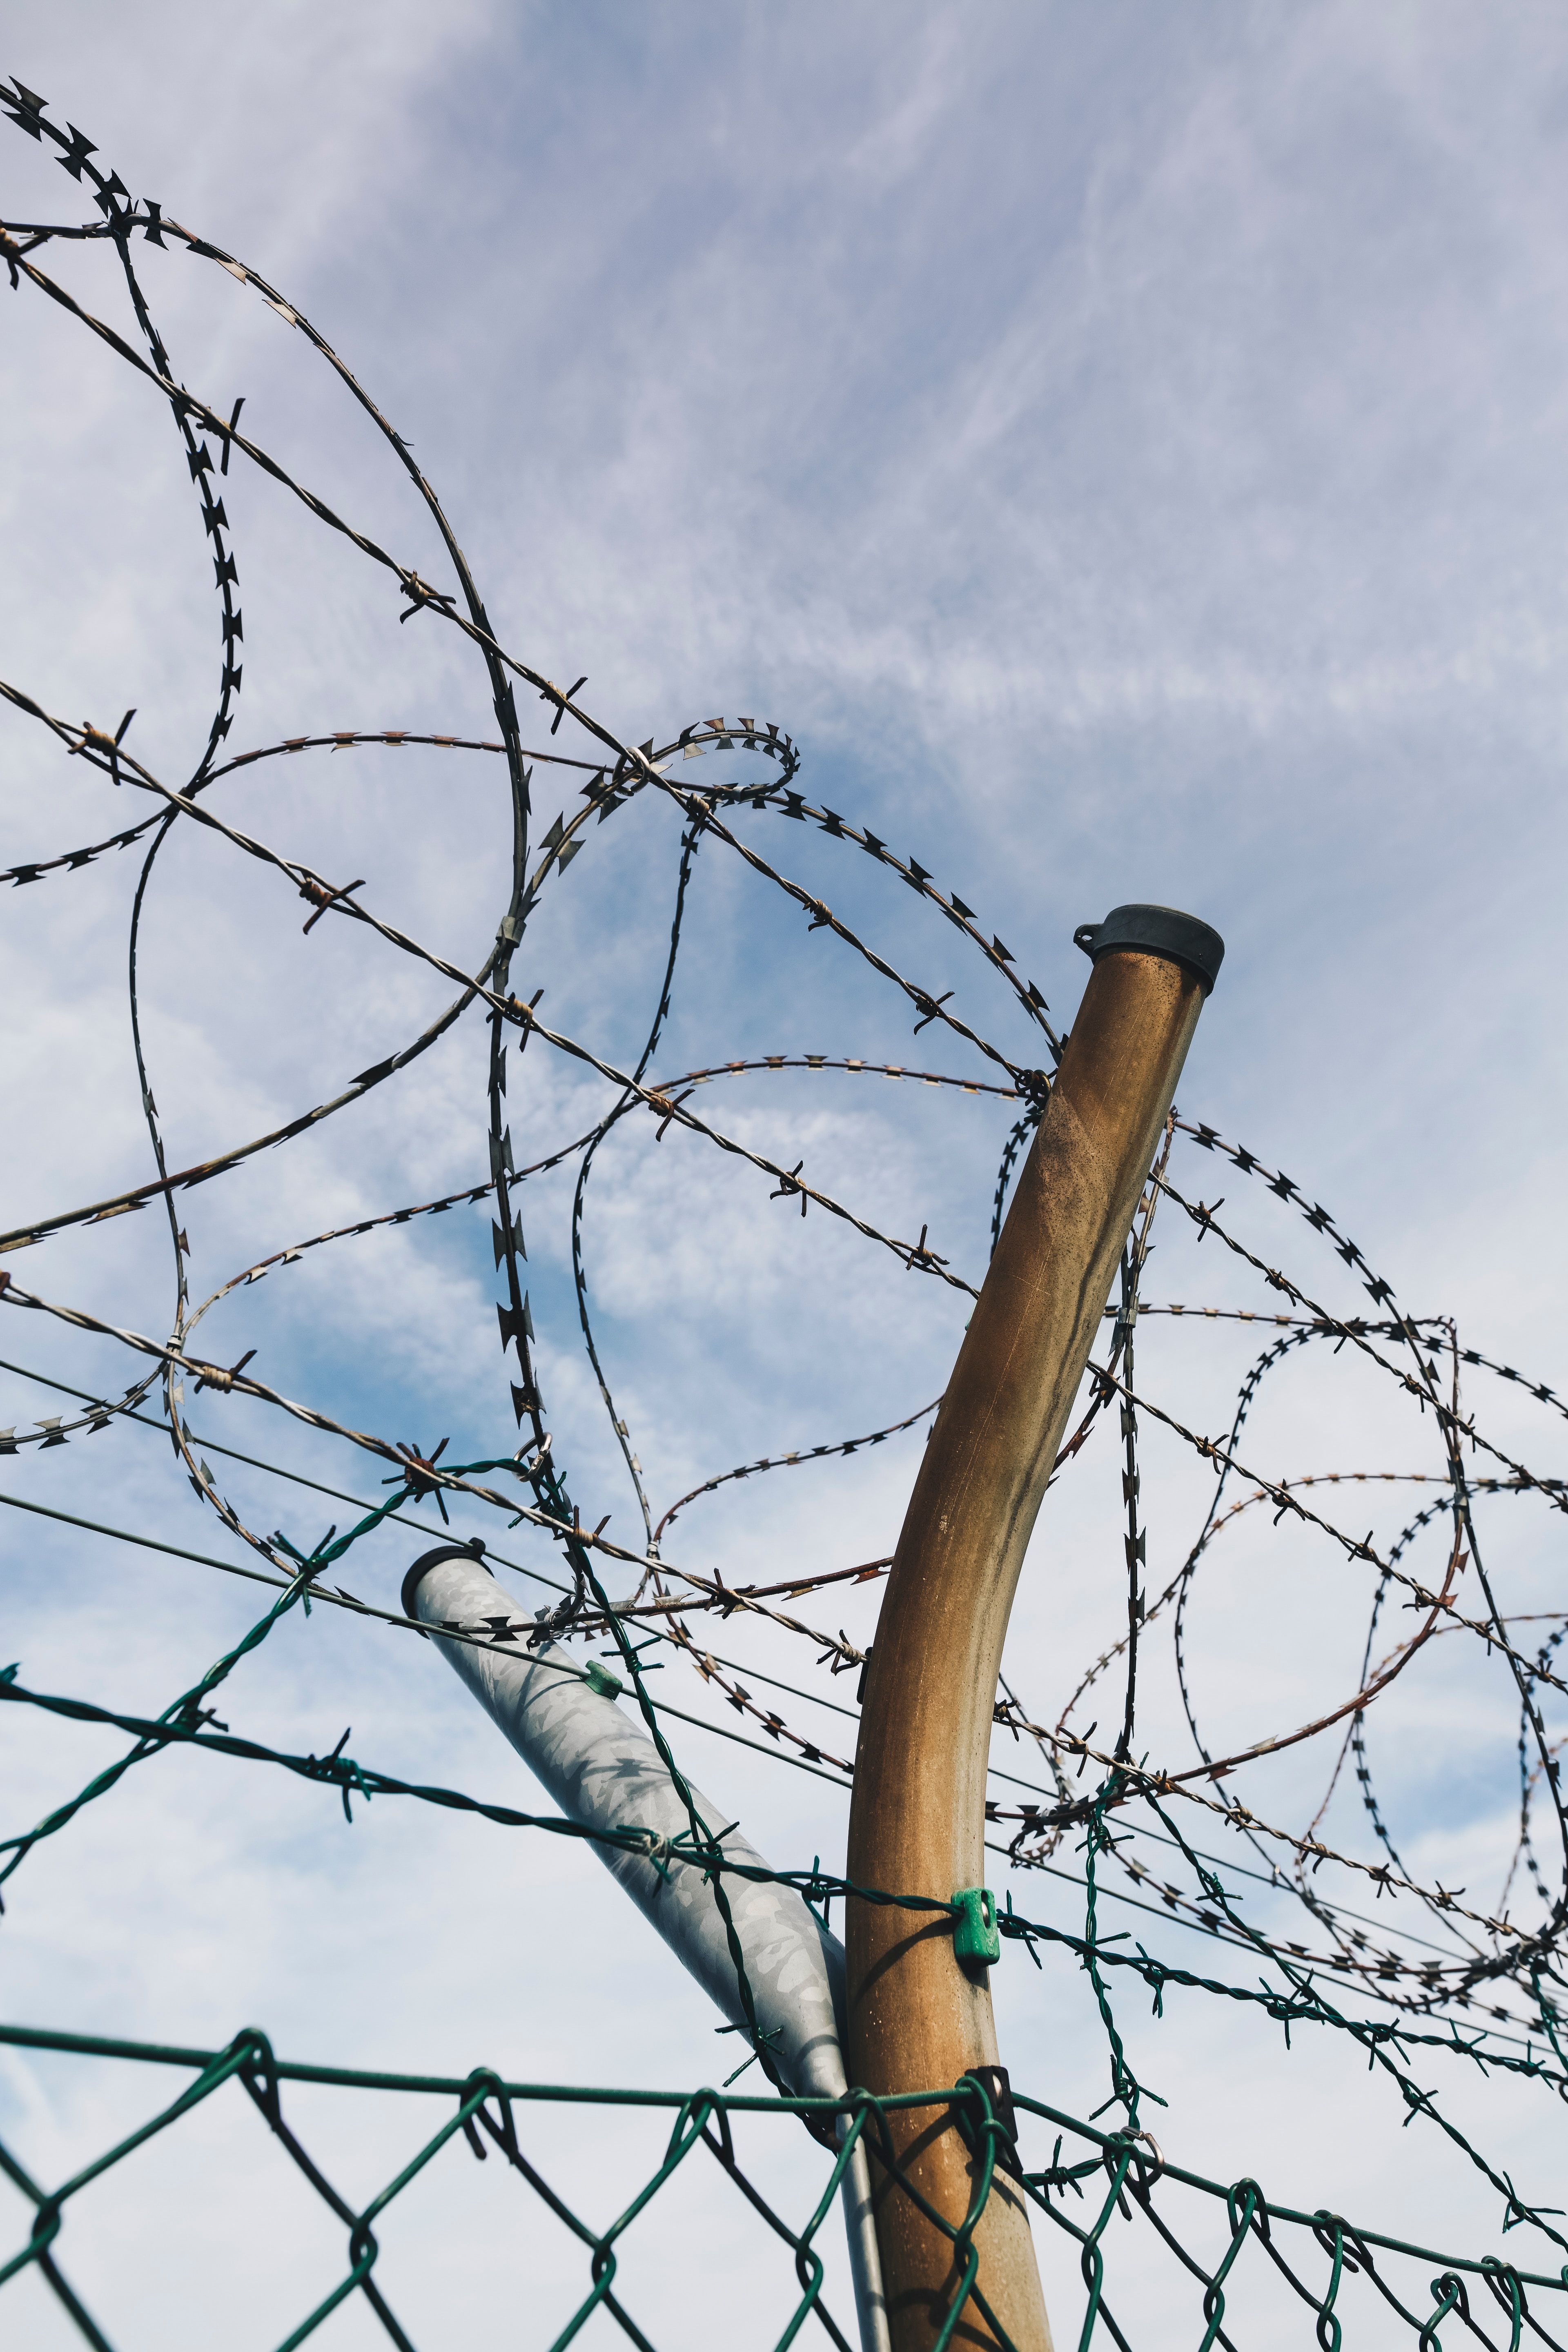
column 1502, row 1977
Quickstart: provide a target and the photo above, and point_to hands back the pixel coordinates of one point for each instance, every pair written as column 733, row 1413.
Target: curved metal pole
column 920, row 2018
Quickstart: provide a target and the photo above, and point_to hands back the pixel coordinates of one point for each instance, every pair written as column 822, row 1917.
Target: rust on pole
column 918, row 2016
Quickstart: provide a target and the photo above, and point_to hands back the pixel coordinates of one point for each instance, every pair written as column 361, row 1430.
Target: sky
column 1126, row 450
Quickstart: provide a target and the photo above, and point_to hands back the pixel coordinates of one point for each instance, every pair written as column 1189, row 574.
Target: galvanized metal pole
column 603, row 1771
column 919, row 2017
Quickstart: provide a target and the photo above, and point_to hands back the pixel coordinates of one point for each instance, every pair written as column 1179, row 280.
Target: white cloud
column 1127, row 454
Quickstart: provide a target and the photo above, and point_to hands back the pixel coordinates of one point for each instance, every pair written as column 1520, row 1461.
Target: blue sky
column 1125, row 449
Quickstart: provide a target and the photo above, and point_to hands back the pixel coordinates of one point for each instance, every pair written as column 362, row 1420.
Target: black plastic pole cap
column 472, row 1551
column 1157, row 930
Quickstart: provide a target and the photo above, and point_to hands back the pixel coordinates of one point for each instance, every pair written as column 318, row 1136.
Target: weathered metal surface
column 919, row 2018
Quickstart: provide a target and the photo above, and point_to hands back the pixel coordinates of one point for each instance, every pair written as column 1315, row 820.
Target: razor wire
column 1471, row 1982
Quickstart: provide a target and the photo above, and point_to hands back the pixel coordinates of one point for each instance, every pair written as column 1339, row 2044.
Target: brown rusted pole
column 919, row 2017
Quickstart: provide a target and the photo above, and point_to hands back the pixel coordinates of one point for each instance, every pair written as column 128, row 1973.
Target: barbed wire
column 1505, row 1976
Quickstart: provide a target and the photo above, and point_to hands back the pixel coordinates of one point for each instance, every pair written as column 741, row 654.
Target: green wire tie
column 975, row 1935
column 600, row 1680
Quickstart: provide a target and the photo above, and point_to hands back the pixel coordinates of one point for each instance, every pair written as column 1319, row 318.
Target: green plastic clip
column 602, row 1681
column 975, row 1935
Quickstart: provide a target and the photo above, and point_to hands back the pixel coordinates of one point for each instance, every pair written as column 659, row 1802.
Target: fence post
column 919, row 2017
column 603, row 1771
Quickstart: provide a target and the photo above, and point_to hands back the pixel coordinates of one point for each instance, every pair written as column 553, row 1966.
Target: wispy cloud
column 1127, row 453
